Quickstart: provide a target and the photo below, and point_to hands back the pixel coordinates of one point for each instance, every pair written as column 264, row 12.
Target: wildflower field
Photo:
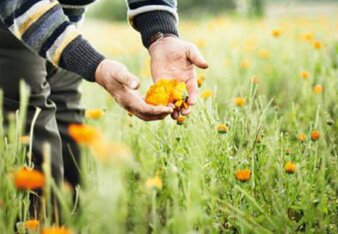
column 258, row 154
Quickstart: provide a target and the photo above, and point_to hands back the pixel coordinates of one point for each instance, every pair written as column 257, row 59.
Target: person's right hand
column 122, row 85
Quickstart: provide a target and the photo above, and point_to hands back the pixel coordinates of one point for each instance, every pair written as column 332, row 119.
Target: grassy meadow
column 258, row 154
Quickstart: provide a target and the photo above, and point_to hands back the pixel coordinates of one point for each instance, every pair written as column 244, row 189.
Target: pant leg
column 65, row 93
column 17, row 62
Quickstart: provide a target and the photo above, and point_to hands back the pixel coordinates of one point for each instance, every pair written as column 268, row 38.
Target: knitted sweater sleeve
column 44, row 28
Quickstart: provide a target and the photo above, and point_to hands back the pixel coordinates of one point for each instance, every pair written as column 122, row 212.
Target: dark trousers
column 55, row 92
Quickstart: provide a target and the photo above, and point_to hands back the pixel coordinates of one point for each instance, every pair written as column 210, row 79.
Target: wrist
column 159, row 36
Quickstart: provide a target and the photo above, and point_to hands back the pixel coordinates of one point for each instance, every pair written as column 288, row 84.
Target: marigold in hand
column 222, row 128
column 28, row 179
column 315, row 135
column 239, row 101
column 290, row 168
column 83, row 134
column 243, row 175
column 55, row 230
column 94, row 114
column 180, row 120
column 168, row 91
column 32, row 224
column 154, row 182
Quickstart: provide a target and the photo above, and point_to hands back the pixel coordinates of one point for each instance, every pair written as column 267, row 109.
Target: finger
column 175, row 114
column 193, row 90
column 196, row 57
column 186, row 111
column 127, row 78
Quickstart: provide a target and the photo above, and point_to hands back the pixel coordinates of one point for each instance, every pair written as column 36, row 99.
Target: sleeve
column 44, row 28
column 152, row 16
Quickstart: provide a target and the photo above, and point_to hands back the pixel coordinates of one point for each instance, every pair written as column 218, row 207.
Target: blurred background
column 116, row 9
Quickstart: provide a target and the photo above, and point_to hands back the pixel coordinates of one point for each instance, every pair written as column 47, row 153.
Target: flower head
column 317, row 89
column 200, row 81
column 55, row 230
column 84, row 134
column 154, row 182
column 206, row 94
column 290, row 168
column 222, row 128
column 317, row 45
column 315, row 135
column 24, row 140
column 263, row 53
column 243, row 175
column 245, row 64
column 28, row 179
column 301, row 137
column 180, row 120
column 304, row 75
column 32, row 224
column 276, row 32
column 94, row 113
column 239, row 101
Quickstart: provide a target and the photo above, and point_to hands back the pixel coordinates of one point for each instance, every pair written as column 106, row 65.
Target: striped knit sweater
column 47, row 28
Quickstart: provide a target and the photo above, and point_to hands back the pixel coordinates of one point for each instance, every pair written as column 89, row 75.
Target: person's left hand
column 173, row 58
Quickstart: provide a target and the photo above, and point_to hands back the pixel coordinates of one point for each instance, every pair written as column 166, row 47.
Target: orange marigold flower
column 239, row 101
column 290, row 168
column 180, row 120
column 276, row 32
column 264, row 53
column 305, row 75
column 24, row 140
column 28, row 179
column 243, row 175
column 166, row 91
column 206, row 94
column 317, row 89
column 154, row 182
column 83, row 134
column 222, row 128
column 317, row 45
column 94, row 113
column 32, row 224
column 245, row 64
column 301, row 137
column 315, row 135
column 200, row 80
column 55, row 230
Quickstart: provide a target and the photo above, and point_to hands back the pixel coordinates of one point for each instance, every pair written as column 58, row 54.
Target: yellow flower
column 94, row 113
column 168, row 91
column 180, row 120
column 84, row 134
column 263, row 53
column 317, row 89
column 239, row 101
column 55, row 230
column 200, row 80
column 290, row 168
column 154, row 182
column 301, row 137
column 305, row 75
column 245, row 64
column 222, row 128
column 276, row 32
column 308, row 37
column 315, row 135
column 28, row 179
column 24, row 140
column 206, row 94
column 243, row 175
column 32, row 224
column 317, row 45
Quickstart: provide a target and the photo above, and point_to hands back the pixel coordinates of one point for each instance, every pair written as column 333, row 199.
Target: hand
column 172, row 58
column 122, row 85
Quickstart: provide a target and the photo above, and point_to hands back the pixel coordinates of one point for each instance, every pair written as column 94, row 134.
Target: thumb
column 127, row 78
column 196, row 57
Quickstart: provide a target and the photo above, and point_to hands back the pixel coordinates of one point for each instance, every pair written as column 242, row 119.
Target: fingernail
column 133, row 84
